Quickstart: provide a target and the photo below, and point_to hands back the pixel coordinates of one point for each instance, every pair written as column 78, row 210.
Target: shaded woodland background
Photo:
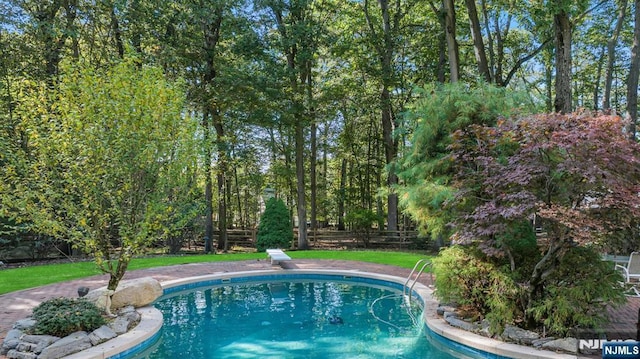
column 305, row 98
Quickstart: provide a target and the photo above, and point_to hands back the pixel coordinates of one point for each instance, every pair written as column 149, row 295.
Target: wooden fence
column 335, row 239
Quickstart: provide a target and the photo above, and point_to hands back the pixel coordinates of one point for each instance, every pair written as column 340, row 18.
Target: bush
column 275, row 230
column 577, row 293
column 63, row 316
column 574, row 296
column 482, row 291
column 362, row 221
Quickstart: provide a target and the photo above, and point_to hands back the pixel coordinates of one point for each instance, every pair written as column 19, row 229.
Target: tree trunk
column 342, row 193
column 490, row 43
column 211, row 35
column 596, row 82
column 45, row 16
column 208, row 185
column 611, row 55
column 548, row 80
column 541, row 272
column 391, row 152
column 117, row 31
column 314, row 153
column 302, row 210
column 634, row 71
column 478, row 44
column 562, row 24
column 385, row 56
column 442, row 44
column 221, row 176
column 452, row 44
column 239, row 199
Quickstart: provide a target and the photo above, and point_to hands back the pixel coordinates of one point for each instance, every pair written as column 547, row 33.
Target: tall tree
column 611, row 56
column 449, row 10
column 634, row 72
column 478, row 43
column 297, row 29
column 563, row 28
column 384, row 31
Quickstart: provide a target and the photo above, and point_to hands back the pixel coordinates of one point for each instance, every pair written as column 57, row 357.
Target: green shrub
column 480, row 288
column 577, row 293
column 275, row 229
column 63, row 316
column 361, row 222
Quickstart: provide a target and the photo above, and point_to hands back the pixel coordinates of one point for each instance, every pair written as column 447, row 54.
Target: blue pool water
column 292, row 319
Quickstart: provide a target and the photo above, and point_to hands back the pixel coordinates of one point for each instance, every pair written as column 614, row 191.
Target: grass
column 39, row 275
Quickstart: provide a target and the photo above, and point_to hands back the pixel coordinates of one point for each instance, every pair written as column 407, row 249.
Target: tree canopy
column 340, row 107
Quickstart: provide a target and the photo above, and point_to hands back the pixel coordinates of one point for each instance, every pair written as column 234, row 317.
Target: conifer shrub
column 275, row 230
column 64, row 316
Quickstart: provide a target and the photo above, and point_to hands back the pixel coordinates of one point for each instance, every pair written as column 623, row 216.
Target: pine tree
column 275, row 229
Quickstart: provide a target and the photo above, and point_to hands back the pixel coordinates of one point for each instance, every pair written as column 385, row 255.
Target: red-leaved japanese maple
column 569, row 171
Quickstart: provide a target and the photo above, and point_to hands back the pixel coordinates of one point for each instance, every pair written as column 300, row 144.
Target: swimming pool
column 291, row 316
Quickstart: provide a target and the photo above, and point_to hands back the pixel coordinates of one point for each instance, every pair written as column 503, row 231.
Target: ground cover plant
column 64, row 316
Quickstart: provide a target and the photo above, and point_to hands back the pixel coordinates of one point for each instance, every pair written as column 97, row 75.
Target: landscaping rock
column 18, row 345
column 68, row 345
column 26, row 347
column 518, row 335
column 539, row 342
column 123, row 323
column 24, row 324
column 459, row 323
column 447, row 314
column 14, row 354
column 138, row 292
column 101, row 335
column 485, row 329
column 11, row 341
column 445, row 308
column 102, row 299
column 564, row 344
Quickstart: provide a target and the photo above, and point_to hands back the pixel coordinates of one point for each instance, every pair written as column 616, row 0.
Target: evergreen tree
column 275, row 229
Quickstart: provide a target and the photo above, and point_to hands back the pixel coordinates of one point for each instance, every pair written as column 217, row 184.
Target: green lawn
column 35, row 276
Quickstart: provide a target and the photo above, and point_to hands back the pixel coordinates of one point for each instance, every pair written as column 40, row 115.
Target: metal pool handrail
column 406, row 289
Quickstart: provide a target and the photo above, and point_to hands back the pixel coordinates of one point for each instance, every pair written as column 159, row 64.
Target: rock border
column 20, row 345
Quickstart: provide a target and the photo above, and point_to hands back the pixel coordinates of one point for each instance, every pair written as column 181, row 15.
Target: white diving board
column 277, row 256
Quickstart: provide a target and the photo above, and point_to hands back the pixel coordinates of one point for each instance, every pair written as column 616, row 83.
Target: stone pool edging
column 151, row 319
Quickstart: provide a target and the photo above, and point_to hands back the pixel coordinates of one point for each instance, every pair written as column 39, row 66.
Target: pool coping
column 151, row 319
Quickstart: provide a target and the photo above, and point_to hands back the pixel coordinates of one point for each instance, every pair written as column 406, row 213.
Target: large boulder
column 138, row 292
column 102, row 299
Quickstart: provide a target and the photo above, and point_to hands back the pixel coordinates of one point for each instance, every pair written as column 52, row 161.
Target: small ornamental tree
column 275, row 230
column 107, row 162
column 578, row 174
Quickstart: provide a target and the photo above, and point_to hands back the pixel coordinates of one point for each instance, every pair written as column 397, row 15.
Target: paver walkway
column 17, row 305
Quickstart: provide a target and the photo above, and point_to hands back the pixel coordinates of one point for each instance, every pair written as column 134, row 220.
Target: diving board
column 277, row 256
